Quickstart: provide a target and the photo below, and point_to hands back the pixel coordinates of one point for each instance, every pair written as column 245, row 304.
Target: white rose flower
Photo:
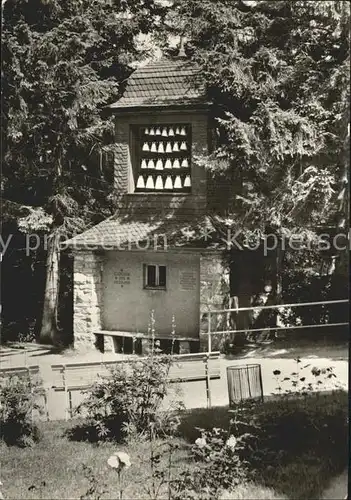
column 231, row 442
column 119, row 460
column 200, row 443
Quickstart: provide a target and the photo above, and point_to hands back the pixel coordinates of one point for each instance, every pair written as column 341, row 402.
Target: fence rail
column 73, row 377
column 278, row 306
column 67, row 381
column 194, row 367
column 228, row 311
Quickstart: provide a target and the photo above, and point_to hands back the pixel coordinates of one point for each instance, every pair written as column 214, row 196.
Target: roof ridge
column 166, row 62
column 166, row 81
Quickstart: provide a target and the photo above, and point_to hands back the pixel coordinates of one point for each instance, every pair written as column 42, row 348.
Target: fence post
column 208, row 381
column 66, row 391
column 209, row 340
column 46, row 403
column 31, row 392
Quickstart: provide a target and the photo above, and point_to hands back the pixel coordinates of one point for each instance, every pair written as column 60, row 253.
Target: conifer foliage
column 277, row 73
column 63, row 61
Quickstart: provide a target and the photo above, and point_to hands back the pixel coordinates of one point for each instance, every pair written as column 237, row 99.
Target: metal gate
column 244, row 383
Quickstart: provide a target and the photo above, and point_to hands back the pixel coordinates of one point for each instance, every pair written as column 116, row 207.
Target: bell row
column 168, row 164
column 164, row 148
column 159, row 183
column 165, row 131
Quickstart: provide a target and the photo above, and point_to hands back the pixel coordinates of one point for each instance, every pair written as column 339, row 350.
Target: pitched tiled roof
column 122, row 233
column 162, row 83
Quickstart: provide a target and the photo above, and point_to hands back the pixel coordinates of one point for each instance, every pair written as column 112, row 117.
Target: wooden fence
column 70, row 379
column 73, row 377
column 32, row 375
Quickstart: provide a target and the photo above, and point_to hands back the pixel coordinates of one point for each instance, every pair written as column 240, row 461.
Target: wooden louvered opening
column 162, row 157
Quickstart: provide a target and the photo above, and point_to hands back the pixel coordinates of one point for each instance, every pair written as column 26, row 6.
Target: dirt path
column 194, row 393
column 33, row 354
column 337, row 489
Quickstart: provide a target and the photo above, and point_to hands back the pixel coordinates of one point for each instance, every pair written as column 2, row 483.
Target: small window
column 154, row 276
column 162, row 158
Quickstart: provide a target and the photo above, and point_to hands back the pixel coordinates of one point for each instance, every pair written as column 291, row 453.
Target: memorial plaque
column 122, row 277
column 187, row 280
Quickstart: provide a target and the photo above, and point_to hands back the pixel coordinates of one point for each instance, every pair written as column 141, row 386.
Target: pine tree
column 62, row 63
column 278, row 76
column 277, row 73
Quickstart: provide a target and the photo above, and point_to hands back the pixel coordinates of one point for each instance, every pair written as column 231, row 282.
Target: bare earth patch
column 337, row 488
column 252, row 491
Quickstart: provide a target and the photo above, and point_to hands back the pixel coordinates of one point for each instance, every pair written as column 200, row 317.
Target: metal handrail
column 265, row 328
column 259, row 308
column 277, row 306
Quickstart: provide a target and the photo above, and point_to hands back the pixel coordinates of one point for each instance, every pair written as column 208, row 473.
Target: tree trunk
column 343, row 219
column 340, row 274
column 49, row 327
column 278, row 285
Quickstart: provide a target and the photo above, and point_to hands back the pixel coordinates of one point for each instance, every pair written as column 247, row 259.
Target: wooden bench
column 118, row 338
column 80, row 376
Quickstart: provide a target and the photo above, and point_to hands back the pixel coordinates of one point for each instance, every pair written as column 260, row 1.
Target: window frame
column 157, row 286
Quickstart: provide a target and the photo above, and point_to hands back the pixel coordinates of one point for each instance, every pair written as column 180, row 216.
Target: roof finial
column 181, row 52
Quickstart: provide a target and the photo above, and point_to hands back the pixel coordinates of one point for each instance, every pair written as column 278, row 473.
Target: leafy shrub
column 17, row 403
column 96, row 487
column 129, row 401
column 300, row 383
column 317, row 424
column 303, row 281
column 221, row 464
column 222, row 454
column 289, row 434
column 21, row 330
column 160, row 462
column 301, row 438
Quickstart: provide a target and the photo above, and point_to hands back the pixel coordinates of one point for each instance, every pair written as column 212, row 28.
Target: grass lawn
column 313, row 433
column 57, row 460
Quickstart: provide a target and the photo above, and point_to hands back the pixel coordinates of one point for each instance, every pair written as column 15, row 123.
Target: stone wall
column 214, row 293
column 88, row 268
column 88, row 297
